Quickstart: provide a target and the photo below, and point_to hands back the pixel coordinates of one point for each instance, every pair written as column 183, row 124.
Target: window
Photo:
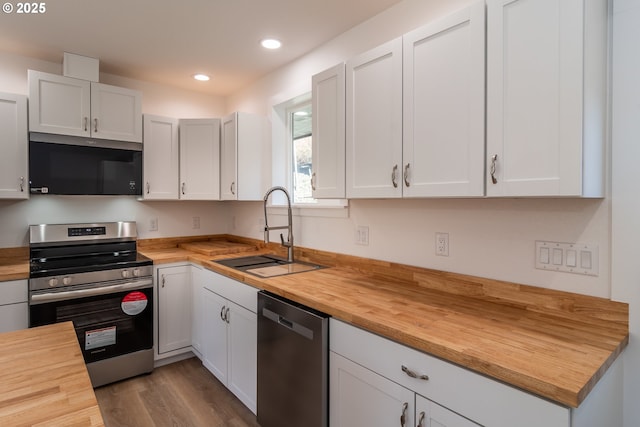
column 300, row 127
column 292, row 165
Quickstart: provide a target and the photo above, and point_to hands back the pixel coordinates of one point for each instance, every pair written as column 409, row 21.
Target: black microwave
column 60, row 164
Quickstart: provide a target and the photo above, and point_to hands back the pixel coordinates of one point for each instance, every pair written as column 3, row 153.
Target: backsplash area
column 171, row 218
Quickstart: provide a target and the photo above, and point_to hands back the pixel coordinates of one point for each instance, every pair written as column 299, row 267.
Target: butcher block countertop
column 44, row 379
column 14, row 263
column 551, row 343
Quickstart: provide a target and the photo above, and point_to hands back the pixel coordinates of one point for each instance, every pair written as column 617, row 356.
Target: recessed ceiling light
column 201, row 77
column 301, row 113
column 271, row 44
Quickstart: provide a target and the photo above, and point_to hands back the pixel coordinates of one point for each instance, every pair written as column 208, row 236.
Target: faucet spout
column 289, row 243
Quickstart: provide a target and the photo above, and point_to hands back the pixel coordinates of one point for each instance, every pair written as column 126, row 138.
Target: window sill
column 340, row 210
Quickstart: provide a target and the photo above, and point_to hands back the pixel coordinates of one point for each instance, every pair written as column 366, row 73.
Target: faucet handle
column 285, row 244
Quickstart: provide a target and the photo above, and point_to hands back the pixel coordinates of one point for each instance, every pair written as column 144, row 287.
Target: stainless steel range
column 92, row 275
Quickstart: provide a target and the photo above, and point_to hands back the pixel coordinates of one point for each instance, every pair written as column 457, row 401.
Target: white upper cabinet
column 59, row 104
column 546, row 97
column 116, row 113
column 374, row 122
column 160, row 158
column 68, row 106
column 200, row 159
column 443, row 113
column 328, row 130
column 13, row 143
column 242, row 157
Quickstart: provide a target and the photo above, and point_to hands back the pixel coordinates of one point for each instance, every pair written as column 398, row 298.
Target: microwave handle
column 89, row 292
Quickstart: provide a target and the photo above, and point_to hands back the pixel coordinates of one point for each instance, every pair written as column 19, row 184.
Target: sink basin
column 267, row 265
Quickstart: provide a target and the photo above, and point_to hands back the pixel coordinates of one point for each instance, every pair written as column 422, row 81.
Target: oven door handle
column 89, row 292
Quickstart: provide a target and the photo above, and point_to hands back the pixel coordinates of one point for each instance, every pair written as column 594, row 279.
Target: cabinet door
column 242, row 356
column 58, row 104
column 200, row 159
column 160, row 158
column 197, row 309
column 116, row 113
column 430, row 414
column 359, row 397
column 535, row 92
column 242, row 158
column 374, row 122
column 443, row 114
column 13, row 141
column 229, row 158
column 174, row 308
column 328, row 131
column 14, row 312
column 214, row 334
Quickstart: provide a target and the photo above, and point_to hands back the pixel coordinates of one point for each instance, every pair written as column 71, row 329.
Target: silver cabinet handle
column 86, row 122
column 183, row 186
column 226, row 315
column 492, row 171
column 403, row 417
column 313, row 181
column 22, row 184
column 412, row 374
column 394, row 176
column 232, row 187
column 222, row 313
column 163, row 280
column 406, row 174
column 148, row 188
column 421, row 419
column 95, row 125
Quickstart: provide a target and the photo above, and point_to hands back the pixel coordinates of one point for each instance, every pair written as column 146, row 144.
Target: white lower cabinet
column 430, row 414
column 14, row 312
column 174, row 309
column 229, row 335
column 370, row 384
column 360, row 397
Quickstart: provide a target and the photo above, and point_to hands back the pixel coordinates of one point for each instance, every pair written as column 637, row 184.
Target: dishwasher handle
column 292, row 326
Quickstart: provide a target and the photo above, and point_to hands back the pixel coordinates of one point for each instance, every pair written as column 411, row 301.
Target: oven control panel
column 86, row 231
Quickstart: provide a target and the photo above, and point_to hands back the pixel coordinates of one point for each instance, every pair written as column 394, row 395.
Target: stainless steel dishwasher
column 293, row 364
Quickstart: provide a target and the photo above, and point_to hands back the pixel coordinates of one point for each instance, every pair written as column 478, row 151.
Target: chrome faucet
column 289, row 243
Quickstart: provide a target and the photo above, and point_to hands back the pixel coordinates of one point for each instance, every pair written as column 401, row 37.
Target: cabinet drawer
column 13, row 292
column 243, row 295
column 472, row 395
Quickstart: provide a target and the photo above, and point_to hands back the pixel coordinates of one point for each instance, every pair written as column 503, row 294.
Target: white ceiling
column 167, row 42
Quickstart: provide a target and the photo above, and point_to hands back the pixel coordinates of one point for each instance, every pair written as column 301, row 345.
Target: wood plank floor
column 176, row 395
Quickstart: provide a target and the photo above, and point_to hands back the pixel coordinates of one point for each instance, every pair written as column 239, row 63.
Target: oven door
column 107, row 325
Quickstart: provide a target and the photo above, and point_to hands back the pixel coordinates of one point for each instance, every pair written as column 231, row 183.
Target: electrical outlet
column 362, row 235
column 153, row 224
column 196, row 222
column 442, row 244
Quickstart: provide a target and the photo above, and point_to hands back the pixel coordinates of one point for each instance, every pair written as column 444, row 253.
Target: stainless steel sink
column 267, row 265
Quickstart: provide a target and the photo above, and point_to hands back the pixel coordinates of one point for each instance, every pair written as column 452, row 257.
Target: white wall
column 625, row 277
column 488, row 237
column 174, row 218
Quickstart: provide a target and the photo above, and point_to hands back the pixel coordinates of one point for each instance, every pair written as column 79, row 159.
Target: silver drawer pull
column 403, row 416
column 413, row 374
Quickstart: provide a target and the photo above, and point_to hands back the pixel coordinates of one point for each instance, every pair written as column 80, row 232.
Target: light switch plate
column 577, row 258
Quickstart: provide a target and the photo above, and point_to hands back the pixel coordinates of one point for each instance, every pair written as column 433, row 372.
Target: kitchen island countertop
column 44, row 379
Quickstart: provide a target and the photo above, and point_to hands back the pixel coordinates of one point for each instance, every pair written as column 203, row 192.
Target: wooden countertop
column 44, row 379
column 14, row 263
column 551, row 343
